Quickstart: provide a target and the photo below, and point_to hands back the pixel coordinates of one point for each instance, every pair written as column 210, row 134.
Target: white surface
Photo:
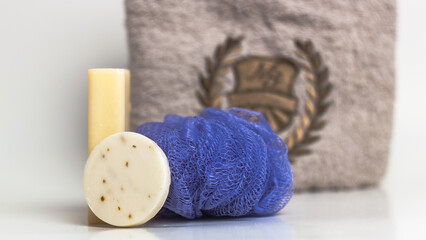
column 363, row 214
column 46, row 47
column 126, row 179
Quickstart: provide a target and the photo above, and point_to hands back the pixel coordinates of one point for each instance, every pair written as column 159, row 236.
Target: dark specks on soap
column 130, row 216
column 133, row 146
column 107, row 149
column 149, row 196
column 127, row 163
column 102, row 198
column 103, row 181
column 121, row 188
column 118, row 208
column 149, row 147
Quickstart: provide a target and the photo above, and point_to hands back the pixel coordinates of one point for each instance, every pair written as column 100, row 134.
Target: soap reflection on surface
column 360, row 214
column 121, row 233
column 271, row 227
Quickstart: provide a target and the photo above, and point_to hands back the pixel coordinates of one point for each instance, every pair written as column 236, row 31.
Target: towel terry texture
column 281, row 59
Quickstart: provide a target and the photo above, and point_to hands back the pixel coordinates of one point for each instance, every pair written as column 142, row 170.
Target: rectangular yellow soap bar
column 108, row 107
column 108, row 103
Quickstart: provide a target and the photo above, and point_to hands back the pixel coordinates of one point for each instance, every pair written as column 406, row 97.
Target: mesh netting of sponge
column 223, row 163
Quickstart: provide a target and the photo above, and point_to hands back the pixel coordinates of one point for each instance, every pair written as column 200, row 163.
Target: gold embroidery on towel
column 265, row 84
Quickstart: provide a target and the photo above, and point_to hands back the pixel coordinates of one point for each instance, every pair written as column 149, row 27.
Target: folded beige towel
column 321, row 72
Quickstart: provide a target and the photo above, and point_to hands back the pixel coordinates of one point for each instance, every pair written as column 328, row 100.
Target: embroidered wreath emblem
column 270, row 79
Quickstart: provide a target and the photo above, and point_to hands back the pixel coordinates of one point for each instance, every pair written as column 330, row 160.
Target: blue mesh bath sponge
column 223, row 163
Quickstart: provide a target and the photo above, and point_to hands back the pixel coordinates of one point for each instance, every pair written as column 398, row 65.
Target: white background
column 46, row 48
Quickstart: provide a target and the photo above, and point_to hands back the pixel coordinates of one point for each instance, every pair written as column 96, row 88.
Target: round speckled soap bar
column 126, row 179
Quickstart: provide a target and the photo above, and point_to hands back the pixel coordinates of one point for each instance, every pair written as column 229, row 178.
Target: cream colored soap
column 108, row 103
column 109, row 107
column 126, row 179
